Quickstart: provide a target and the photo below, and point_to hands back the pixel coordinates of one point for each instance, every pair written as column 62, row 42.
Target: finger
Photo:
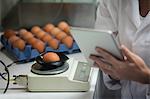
column 105, row 54
column 104, row 67
column 127, row 53
column 101, row 62
column 130, row 56
column 95, row 65
column 99, row 58
column 94, row 57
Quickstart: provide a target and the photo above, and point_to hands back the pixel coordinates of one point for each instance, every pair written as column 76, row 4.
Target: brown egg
column 40, row 34
column 32, row 41
column 8, row 33
column 48, row 27
column 39, row 45
column 21, row 34
column 27, row 35
column 22, row 31
column 35, row 29
column 61, row 35
column 55, row 31
column 68, row 41
column 12, row 39
column 46, row 38
column 20, row 44
column 50, row 57
column 64, row 26
column 53, row 43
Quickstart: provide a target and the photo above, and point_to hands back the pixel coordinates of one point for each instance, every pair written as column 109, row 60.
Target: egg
column 8, row 33
column 51, row 57
column 53, row 43
column 22, row 31
column 26, row 35
column 21, row 34
column 46, row 38
column 39, row 45
column 48, row 27
column 64, row 26
column 40, row 34
column 32, row 41
column 68, row 41
column 35, row 29
column 55, row 31
column 61, row 35
column 20, row 44
column 12, row 39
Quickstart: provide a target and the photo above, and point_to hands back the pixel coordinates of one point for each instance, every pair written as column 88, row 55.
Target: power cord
column 2, row 75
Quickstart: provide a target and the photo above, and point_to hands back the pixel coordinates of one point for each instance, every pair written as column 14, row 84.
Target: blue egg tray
column 29, row 53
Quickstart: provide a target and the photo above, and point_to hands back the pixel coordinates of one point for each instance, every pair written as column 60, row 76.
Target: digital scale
column 72, row 76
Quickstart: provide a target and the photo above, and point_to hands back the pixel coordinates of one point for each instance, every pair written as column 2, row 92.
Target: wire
column 6, row 69
column 21, row 61
column 7, row 72
column 18, row 61
column 1, row 75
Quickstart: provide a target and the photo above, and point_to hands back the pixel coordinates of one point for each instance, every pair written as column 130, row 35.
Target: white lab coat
column 134, row 32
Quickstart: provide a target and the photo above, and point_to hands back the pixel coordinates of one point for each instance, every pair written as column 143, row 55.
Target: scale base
column 76, row 78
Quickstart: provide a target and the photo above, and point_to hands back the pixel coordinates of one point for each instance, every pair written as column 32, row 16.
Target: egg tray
column 29, row 53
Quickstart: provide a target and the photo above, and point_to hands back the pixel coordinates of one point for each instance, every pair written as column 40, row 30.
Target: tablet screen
column 88, row 39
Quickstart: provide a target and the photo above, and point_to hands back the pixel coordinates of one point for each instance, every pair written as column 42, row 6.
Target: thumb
column 133, row 57
column 130, row 56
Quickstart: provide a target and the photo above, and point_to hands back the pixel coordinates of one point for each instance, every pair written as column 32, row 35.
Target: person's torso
column 134, row 33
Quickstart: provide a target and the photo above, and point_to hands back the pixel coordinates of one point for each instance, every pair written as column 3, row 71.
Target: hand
column 132, row 68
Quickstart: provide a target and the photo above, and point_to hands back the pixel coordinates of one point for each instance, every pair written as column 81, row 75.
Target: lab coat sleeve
column 111, row 83
column 107, row 15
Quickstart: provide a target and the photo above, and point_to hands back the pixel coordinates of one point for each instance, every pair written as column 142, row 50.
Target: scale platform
column 76, row 77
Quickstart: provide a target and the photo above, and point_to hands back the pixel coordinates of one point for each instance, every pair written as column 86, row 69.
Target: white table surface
column 17, row 92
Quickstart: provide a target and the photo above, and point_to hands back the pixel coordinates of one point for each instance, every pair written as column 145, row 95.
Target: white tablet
column 88, row 39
